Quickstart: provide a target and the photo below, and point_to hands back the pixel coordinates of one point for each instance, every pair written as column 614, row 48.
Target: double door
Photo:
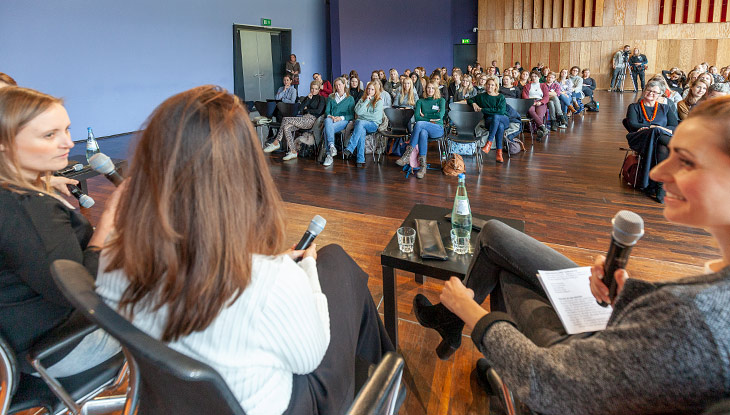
column 257, row 69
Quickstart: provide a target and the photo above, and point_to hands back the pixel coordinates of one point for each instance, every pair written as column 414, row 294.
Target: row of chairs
column 160, row 379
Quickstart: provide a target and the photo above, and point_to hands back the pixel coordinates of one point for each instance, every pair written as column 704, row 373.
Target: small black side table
column 456, row 265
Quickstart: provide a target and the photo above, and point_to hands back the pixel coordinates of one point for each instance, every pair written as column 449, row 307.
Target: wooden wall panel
column 608, row 12
column 717, row 11
column 527, row 14
column 525, row 61
column 619, row 17
column 517, row 14
column 578, row 13
column 554, row 61
column 599, row 13
column 692, row 11
column 547, row 14
column 679, row 12
column 537, row 14
column 509, row 11
column 723, row 52
column 704, row 6
column 588, row 14
column 544, row 55
column 567, row 13
column 557, row 13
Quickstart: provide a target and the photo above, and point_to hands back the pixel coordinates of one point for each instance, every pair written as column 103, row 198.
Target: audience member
column 508, row 89
column 38, row 227
column 436, row 80
column 566, row 89
column 429, row 114
column 325, row 87
column 673, row 79
column 540, row 95
column 667, row 341
column 310, row 109
column 338, row 113
column 696, row 92
column 467, row 89
column 718, row 90
column 558, row 103
column 355, row 89
column 455, row 86
column 407, row 96
column 589, row 84
column 287, row 93
column 494, row 64
column 393, row 83
column 283, row 335
column 494, row 107
column 481, row 86
column 577, row 89
column 369, row 113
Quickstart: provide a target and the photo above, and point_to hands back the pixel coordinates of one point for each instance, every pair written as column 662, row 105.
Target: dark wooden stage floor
column 566, row 189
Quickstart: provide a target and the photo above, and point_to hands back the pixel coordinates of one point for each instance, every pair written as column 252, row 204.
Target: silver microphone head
column 86, row 201
column 628, row 227
column 316, row 225
column 78, row 167
column 101, row 163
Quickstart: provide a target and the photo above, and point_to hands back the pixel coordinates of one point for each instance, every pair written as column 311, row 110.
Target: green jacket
column 490, row 104
column 344, row 109
column 432, row 109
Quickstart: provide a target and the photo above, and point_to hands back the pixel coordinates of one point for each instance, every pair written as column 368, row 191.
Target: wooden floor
column 566, row 189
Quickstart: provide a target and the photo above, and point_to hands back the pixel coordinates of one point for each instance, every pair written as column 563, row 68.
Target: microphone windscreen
column 628, row 227
column 86, row 201
column 316, row 225
column 78, row 167
column 101, row 163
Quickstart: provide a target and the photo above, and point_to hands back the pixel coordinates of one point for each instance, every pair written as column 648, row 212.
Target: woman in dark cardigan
column 651, row 126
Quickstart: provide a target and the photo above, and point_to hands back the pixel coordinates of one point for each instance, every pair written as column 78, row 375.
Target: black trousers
column 640, row 74
column 356, row 331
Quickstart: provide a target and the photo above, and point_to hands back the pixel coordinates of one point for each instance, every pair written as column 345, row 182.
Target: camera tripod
column 619, row 86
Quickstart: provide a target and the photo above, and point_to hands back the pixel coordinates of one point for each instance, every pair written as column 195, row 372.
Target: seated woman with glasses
column 651, row 126
column 666, row 345
column 209, row 275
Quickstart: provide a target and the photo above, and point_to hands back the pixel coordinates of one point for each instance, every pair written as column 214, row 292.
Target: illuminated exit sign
column 265, row 22
column 465, row 41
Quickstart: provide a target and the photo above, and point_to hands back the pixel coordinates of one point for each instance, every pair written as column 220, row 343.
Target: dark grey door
column 465, row 55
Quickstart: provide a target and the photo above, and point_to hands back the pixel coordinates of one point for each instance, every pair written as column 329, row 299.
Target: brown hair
column 18, row 107
column 376, row 96
column 716, row 111
column 7, row 79
column 199, row 203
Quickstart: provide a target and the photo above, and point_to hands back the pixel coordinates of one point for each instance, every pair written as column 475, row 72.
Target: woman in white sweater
column 206, row 271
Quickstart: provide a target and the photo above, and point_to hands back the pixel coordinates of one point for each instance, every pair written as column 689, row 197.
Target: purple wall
column 463, row 19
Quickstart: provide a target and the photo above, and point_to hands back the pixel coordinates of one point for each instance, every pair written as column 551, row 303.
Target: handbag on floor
column 630, row 170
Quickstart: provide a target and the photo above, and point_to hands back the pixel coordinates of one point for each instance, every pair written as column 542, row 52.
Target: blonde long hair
column 410, row 95
column 18, row 107
column 199, row 202
column 436, row 92
column 345, row 83
column 376, row 97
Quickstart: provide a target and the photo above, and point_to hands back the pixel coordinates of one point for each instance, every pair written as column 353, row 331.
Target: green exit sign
column 465, row 41
column 265, row 22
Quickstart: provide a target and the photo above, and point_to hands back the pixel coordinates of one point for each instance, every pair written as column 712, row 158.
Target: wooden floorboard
column 566, row 189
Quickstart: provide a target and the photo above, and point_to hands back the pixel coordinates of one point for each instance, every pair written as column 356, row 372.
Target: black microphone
column 628, row 228
column 84, row 200
column 315, row 227
column 101, row 163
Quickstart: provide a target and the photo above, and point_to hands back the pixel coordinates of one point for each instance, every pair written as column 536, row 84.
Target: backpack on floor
column 592, row 106
column 305, row 144
column 630, row 169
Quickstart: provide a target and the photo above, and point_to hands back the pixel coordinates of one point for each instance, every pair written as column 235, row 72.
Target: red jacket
column 326, row 89
column 545, row 93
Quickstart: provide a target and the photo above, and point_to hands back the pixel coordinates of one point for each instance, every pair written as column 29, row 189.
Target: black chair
column 522, row 106
column 164, row 381
column 380, row 395
column 77, row 393
column 465, row 122
column 399, row 119
column 460, row 106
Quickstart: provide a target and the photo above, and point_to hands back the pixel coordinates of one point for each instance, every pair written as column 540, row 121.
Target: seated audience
column 417, row 84
column 718, row 90
column 283, row 335
column 508, row 89
column 494, row 107
column 707, row 78
column 455, row 85
column 393, row 83
column 665, row 347
column 325, row 87
column 406, row 96
column 524, row 79
column 651, row 125
column 716, row 74
column 673, row 79
column 369, row 113
column 566, row 88
column 696, row 92
column 355, row 89
column 354, row 74
column 544, row 73
column 540, row 95
column 310, row 109
column 407, row 72
column 467, row 89
column 589, row 84
column 443, row 90
column 577, row 89
column 387, row 100
column 494, row 65
column 429, row 114
column 557, row 104
column 287, row 93
column 338, row 113
column 481, row 86
column 6, row 80
column 37, row 227
column 381, row 76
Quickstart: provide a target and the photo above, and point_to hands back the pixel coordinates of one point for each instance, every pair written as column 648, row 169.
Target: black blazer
column 35, row 230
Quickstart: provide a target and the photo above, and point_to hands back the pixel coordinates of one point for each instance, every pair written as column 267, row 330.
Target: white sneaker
column 328, row 160
column 272, row 147
column 290, row 156
column 333, row 150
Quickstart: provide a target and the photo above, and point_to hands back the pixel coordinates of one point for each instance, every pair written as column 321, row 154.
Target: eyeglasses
column 649, row 91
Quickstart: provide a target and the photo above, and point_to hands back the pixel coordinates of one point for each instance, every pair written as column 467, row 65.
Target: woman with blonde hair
column 467, row 88
column 37, row 227
column 369, row 113
column 696, row 92
column 406, row 96
column 391, row 86
column 481, row 84
column 429, row 114
column 216, row 281
column 338, row 113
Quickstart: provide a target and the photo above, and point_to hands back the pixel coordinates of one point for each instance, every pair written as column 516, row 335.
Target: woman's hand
column 59, row 184
column 598, row 288
column 309, row 96
column 476, row 107
column 460, row 301
column 302, row 253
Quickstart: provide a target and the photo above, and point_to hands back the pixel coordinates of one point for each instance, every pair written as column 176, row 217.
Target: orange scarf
column 643, row 110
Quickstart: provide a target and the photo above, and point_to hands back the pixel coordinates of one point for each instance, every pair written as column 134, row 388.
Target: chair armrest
column 61, row 337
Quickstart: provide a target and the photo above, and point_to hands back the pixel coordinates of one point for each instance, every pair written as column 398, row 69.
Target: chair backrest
column 9, row 375
column 286, row 109
column 465, row 122
column 166, row 381
column 264, row 109
column 460, row 106
column 522, row 106
column 399, row 119
column 379, row 395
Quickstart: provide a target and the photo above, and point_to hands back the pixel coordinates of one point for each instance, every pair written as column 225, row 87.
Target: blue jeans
column 564, row 102
column 496, row 123
column 357, row 141
column 577, row 99
column 330, row 128
column 422, row 131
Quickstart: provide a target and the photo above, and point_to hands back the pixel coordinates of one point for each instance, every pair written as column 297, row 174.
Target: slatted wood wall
column 563, row 33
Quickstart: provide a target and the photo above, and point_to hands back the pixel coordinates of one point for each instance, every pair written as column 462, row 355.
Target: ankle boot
column 487, row 147
column 439, row 318
column 499, row 156
column 422, row 167
column 571, row 109
column 406, row 157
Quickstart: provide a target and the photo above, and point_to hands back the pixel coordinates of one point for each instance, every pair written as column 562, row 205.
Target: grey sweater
column 666, row 350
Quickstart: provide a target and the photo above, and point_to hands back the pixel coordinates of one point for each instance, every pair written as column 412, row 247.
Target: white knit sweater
column 279, row 326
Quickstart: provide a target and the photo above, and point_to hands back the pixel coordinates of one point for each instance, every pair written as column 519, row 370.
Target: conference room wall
column 562, row 33
column 113, row 62
column 384, row 34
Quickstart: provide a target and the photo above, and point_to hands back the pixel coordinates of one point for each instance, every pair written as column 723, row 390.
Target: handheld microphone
column 84, row 200
column 628, row 228
column 69, row 169
column 101, row 163
column 315, row 227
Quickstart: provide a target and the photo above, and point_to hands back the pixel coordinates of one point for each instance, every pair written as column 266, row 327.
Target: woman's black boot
column 439, row 318
column 660, row 193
